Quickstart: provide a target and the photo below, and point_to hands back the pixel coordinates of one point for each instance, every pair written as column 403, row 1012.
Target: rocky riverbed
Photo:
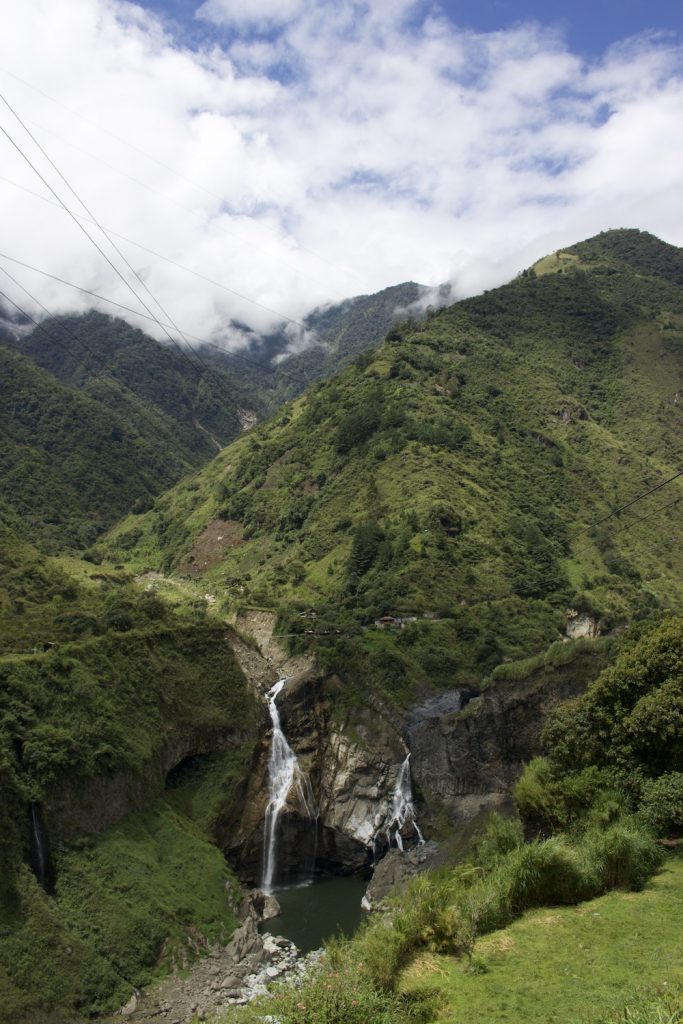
column 228, row 975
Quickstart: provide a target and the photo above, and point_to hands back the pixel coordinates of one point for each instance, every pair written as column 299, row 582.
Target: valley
column 419, row 627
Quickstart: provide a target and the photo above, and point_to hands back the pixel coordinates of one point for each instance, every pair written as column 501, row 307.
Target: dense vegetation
column 622, row 740
column 335, row 335
column 455, row 473
column 89, row 722
column 90, row 434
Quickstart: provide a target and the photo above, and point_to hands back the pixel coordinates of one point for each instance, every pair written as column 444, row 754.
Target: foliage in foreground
column 613, row 960
column 445, row 913
column 621, row 742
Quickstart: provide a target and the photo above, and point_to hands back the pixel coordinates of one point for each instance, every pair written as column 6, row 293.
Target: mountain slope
column 70, row 463
column 92, row 351
column 453, row 472
column 342, row 331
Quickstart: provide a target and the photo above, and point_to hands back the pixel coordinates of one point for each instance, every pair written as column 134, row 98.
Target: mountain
column 142, row 414
column 463, row 471
column 91, row 431
column 341, row 332
column 411, row 544
column 91, row 351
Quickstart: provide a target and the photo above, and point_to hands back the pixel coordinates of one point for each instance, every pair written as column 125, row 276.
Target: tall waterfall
column 283, row 773
column 402, row 808
column 41, row 861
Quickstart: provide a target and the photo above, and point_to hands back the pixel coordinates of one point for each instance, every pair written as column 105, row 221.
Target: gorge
column 396, row 606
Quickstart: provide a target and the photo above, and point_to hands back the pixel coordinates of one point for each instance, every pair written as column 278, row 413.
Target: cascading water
column 402, row 809
column 283, row 772
column 41, row 861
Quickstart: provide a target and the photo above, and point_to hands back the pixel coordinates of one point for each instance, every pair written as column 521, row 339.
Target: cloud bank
column 308, row 152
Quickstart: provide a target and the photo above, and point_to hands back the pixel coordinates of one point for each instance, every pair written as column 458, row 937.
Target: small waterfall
column 41, row 862
column 402, row 809
column 283, row 773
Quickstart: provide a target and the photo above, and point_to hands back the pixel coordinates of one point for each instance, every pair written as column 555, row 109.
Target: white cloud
column 323, row 150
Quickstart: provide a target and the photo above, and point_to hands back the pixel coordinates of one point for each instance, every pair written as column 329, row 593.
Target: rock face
column 90, row 805
column 467, row 761
column 352, row 782
column 395, row 869
column 581, row 625
column 468, row 749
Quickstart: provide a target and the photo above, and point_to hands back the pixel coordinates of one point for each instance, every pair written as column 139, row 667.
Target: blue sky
column 589, row 26
column 287, row 153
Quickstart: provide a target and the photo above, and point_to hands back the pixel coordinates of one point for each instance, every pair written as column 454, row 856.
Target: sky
column 253, row 160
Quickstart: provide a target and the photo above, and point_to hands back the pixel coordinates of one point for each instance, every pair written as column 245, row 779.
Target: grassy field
column 572, row 965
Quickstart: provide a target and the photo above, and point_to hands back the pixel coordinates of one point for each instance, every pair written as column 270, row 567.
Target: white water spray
column 402, row 809
column 283, row 773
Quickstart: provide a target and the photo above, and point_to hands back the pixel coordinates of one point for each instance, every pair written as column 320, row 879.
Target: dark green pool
column 315, row 911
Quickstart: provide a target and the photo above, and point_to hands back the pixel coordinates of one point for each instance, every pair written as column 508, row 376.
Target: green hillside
column 341, row 331
column 455, row 472
column 107, row 420
column 117, row 364
column 72, row 463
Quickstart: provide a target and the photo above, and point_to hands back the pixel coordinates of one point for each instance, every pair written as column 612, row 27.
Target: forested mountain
column 127, row 416
column 338, row 333
column 72, row 461
column 457, row 471
column 92, row 350
column 429, row 525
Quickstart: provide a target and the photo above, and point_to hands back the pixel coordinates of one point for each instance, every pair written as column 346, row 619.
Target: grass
column 575, row 964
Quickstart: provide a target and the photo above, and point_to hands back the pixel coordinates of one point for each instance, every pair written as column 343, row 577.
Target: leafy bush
column 661, row 803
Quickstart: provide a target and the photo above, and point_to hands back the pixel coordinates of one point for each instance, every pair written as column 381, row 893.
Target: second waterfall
column 284, row 773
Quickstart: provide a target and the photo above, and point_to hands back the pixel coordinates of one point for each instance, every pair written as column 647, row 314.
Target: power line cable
column 161, row 163
column 145, row 316
column 640, row 519
column 166, row 259
column 621, row 508
column 91, row 215
column 80, row 226
column 113, row 244
column 103, row 373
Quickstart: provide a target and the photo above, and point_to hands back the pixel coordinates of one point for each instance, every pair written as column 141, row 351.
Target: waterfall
column 283, row 773
column 41, row 862
column 402, row 809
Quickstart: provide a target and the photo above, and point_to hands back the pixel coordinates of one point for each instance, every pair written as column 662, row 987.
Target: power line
column 103, row 372
column 621, row 508
column 103, row 298
column 81, row 227
column 166, row 259
column 76, row 220
column 161, row 163
column 640, row 519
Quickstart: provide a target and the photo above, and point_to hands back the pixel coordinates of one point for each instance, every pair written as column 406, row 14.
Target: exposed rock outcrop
column 352, row 768
column 394, row 870
column 467, row 761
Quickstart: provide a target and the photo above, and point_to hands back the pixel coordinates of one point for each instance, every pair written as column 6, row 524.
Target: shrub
column 661, row 804
column 499, row 836
column 625, row 855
